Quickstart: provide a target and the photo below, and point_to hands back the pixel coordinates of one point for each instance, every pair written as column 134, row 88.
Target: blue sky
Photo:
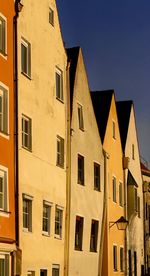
column 115, row 38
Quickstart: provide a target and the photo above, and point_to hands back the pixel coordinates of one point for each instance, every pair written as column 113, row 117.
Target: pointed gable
column 101, row 103
column 123, row 112
column 73, row 54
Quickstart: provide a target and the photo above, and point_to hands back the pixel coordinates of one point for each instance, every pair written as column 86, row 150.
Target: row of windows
column 46, row 217
column 44, row 272
column 115, row 258
column 79, row 234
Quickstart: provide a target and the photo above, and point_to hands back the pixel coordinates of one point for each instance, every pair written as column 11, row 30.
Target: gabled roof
column 123, row 112
column 145, row 170
column 73, row 54
column 101, row 104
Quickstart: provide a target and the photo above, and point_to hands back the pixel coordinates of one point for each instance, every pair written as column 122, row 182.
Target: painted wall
column 39, row 176
column 135, row 229
column 7, row 219
column 114, row 210
column 85, row 201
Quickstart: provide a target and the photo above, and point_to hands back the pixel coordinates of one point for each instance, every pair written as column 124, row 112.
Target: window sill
column 82, row 129
column 30, row 150
column 78, row 249
column 58, row 237
column 45, row 234
column 27, row 76
column 82, row 184
column 26, row 230
column 96, row 189
column 4, row 135
column 93, row 251
column 4, row 55
column 60, row 100
column 4, row 213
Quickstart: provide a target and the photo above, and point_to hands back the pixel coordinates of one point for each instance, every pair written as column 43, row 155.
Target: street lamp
column 122, row 223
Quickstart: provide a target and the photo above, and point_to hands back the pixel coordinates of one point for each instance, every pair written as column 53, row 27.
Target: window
column 138, row 206
column 135, row 263
column 46, row 217
column 26, row 133
column 80, row 117
column 114, row 189
column 114, row 129
column 60, row 151
column 51, row 16
column 30, row 273
column 135, row 200
column 25, row 57
column 4, row 264
column 27, row 212
column 130, row 262
column 58, row 222
column 3, row 110
column 121, row 259
column 121, row 194
column 55, row 270
column 59, row 84
column 133, row 152
column 80, row 169
column 78, row 233
column 43, row 272
column 94, row 234
column 115, row 257
column 2, row 35
column 96, row 176
column 3, row 189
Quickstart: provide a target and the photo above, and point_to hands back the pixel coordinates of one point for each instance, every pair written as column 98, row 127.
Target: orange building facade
column 7, row 184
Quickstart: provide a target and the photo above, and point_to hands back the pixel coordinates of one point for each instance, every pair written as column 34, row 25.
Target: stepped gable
column 101, row 102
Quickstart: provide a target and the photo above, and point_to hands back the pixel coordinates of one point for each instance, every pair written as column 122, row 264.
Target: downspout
column 104, row 218
column 68, row 175
column 16, row 124
column 125, row 214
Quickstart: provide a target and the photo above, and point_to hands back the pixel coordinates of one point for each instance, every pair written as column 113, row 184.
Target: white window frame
column 27, row 45
column 4, row 94
column 114, row 192
column 48, row 205
column 57, row 268
column 3, row 52
column 80, row 117
column 4, row 210
column 28, row 134
column 59, row 94
column 59, row 221
column 115, row 257
column 121, row 194
column 6, row 257
column 51, row 16
column 28, row 200
column 122, row 259
column 60, row 152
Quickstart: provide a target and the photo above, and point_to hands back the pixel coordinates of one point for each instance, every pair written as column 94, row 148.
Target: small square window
column 94, row 235
column 2, row 35
column 114, row 189
column 55, row 270
column 26, row 58
column 4, row 264
column 3, row 189
column 114, row 129
column 59, row 84
column 60, row 152
column 78, row 233
column 27, row 212
column 120, row 194
column 51, row 16
column 80, row 169
column 26, row 133
column 96, row 176
column 58, row 222
column 4, row 110
column 80, row 117
column 46, row 218
column 115, row 257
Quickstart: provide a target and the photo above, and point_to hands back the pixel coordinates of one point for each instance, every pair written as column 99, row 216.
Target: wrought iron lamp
column 122, row 223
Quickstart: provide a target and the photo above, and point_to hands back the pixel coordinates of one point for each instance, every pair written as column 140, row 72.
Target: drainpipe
column 104, row 218
column 68, row 175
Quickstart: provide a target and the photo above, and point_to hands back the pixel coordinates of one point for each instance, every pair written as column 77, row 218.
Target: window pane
column 2, row 266
column 2, row 35
column 24, row 58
